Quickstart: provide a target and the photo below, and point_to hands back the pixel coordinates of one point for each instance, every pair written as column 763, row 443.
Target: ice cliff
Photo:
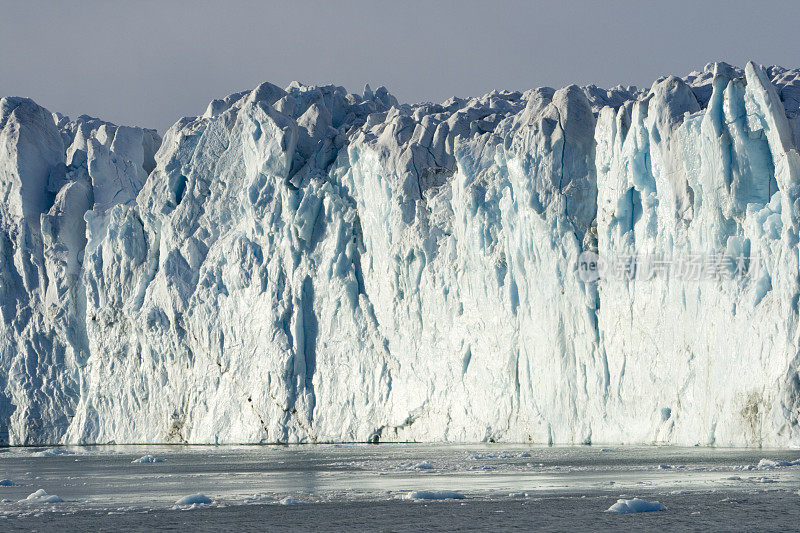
column 308, row 265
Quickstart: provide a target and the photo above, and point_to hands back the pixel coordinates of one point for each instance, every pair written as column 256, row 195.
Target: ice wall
column 55, row 174
column 719, row 358
column 307, row 265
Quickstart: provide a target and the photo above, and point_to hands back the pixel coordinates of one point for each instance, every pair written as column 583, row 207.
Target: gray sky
column 149, row 62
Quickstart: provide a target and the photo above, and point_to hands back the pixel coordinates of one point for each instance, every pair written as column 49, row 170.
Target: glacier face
column 308, row 265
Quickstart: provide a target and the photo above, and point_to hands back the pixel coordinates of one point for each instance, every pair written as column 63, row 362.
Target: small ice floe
column 434, row 495
column 410, row 465
column 52, row 452
column 194, row 499
column 501, row 455
column 291, row 501
column 256, row 498
column 480, row 456
column 769, row 464
column 635, row 506
column 40, row 496
column 148, row 459
column 669, row 467
column 732, row 500
column 6, row 483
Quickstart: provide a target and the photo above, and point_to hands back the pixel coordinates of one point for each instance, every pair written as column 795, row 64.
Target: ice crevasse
column 309, row 265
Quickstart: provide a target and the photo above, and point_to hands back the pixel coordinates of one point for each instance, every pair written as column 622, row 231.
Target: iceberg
column 635, row 506
column 40, row 496
column 311, row 265
column 194, row 499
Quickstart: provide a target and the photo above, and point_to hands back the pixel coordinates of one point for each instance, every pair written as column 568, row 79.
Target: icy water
column 384, row 488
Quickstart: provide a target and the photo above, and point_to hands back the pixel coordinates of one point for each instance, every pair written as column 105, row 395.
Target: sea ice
column 411, row 465
column 40, row 496
column 53, row 452
column 769, row 464
column 635, row 506
column 291, row 501
column 194, row 499
column 434, row 495
column 148, row 459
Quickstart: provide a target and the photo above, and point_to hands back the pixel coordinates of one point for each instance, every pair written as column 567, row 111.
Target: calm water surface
column 367, row 487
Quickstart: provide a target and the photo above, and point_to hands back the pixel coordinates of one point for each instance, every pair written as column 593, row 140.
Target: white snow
column 434, row 495
column 635, row 506
column 194, row 499
column 308, row 265
column 149, row 459
column 40, row 496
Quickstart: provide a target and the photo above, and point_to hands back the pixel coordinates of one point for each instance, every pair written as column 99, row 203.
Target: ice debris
column 635, row 506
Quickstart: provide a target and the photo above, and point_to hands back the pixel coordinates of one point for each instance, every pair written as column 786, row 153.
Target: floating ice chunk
column 635, row 506
column 434, row 495
column 769, row 464
column 40, row 496
column 259, row 498
column 53, row 452
column 193, row 499
column 292, row 501
column 410, row 465
column 6, row 483
column 148, row 459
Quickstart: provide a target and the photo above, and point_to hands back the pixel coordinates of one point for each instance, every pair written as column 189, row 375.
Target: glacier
column 310, row 265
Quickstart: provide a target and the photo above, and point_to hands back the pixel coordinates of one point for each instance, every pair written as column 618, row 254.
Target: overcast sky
column 149, row 62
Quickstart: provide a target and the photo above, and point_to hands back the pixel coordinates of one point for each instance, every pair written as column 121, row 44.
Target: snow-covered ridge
column 305, row 264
